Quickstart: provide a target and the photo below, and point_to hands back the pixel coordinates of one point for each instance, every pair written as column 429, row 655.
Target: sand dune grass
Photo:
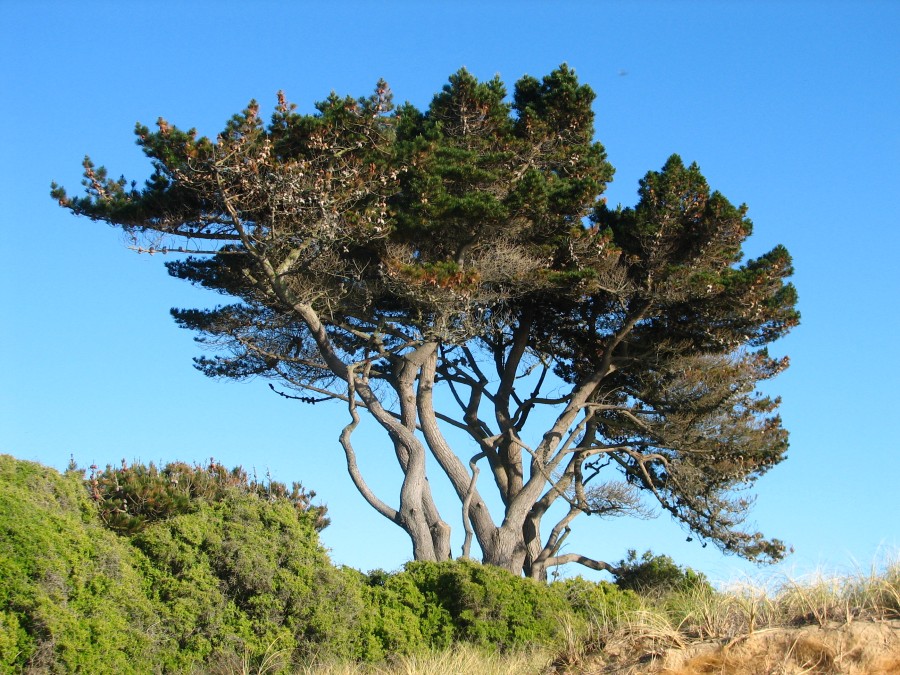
column 826, row 625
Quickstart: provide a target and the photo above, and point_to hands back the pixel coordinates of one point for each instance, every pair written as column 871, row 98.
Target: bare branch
column 559, row 533
column 467, row 502
column 303, row 399
column 355, row 474
column 566, row 558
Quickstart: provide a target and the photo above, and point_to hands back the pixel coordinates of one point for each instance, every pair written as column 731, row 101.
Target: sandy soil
column 857, row 648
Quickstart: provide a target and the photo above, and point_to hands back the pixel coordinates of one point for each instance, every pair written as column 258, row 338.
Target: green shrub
column 242, row 573
column 383, row 615
column 131, row 496
column 72, row 596
column 657, row 574
column 208, row 573
column 230, row 575
column 486, row 606
column 596, row 602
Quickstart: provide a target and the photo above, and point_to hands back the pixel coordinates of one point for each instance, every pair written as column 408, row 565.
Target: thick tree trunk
column 420, row 536
column 506, row 549
column 478, row 516
column 440, row 537
column 412, row 513
column 438, row 530
column 536, row 571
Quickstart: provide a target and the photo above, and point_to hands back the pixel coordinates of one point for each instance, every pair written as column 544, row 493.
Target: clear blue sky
column 791, row 107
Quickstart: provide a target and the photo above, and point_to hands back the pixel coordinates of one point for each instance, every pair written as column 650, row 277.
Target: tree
column 378, row 255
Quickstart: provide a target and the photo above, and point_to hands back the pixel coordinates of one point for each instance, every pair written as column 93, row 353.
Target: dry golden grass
column 822, row 626
column 859, row 648
column 461, row 660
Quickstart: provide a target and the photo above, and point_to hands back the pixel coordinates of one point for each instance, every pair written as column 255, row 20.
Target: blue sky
column 791, row 107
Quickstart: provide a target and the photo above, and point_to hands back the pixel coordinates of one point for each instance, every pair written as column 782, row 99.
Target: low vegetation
column 200, row 569
column 203, row 569
column 826, row 625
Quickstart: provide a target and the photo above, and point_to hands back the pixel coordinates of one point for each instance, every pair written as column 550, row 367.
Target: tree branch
column 352, row 468
column 302, row 399
column 566, row 558
column 467, row 502
column 443, row 453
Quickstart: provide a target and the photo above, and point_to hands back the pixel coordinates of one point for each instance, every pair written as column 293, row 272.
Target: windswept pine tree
column 376, row 255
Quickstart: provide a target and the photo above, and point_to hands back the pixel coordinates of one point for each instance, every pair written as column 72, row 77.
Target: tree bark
column 408, row 368
column 478, row 514
column 506, row 549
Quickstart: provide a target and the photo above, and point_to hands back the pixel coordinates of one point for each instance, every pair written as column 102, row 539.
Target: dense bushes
column 488, row 606
column 131, row 496
column 657, row 574
column 205, row 570
column 225, row 571
column 238, row 575
column 73, row 596
column 595, row 601
column 430, row 605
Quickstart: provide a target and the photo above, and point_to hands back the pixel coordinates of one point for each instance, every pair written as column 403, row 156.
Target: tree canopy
column 378, row 254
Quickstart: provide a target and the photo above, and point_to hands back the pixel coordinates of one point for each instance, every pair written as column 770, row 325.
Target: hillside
column 197, row 569
column 190, row 569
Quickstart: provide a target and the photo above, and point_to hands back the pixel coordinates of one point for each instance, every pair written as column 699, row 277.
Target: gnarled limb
column 467, row 502
column 352, row 467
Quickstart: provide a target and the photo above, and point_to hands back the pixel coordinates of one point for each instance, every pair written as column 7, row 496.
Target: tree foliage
column 376, row 255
